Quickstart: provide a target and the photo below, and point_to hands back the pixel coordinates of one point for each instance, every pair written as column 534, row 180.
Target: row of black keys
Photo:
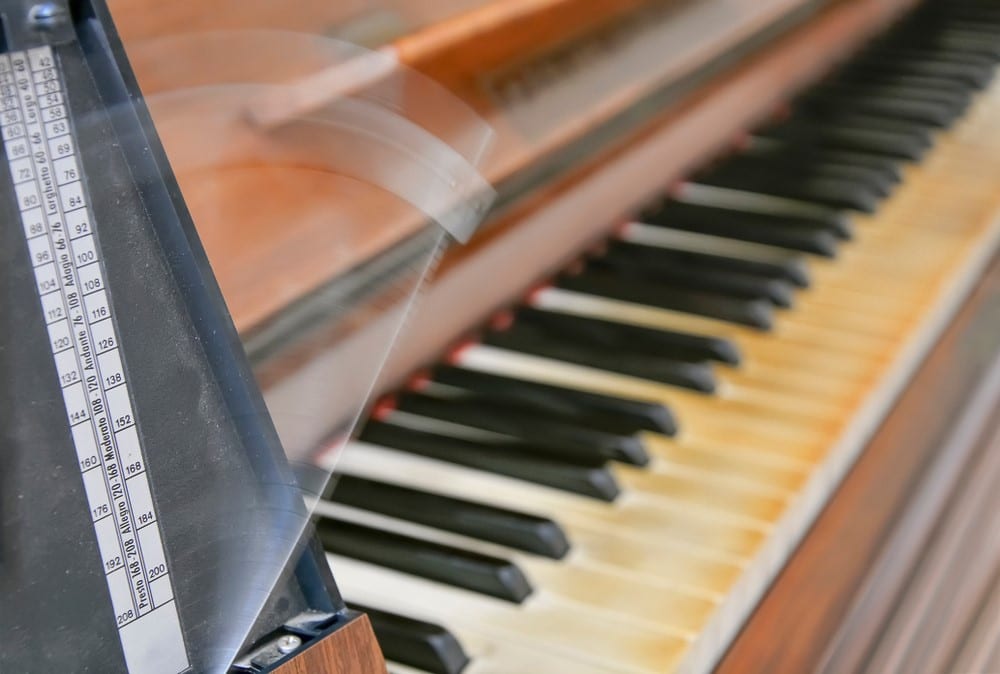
column 841, row 150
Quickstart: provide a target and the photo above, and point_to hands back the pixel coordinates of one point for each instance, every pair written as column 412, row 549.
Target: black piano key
column 954, row 100
column 791, row 269
column 883, row 142
column 925, row 24
column 757, row 314
column 884, row 172
column 948, row 103
column 537, row 342
column 974, row 76
column 834, row 191
column 964, row 38
column 512, row 459
column 980, row 9
column 890, row 79
column 977, row 40
column 595, row 410
column 878, row 104
column 922, row 52
column 796, row 234
column 926, row 28
column 890, row 168
column 918, row 134
column 537, row 535
column 547, row 436
column 613, row 335
column 981, row 42
column 926, row 49
column 946, row 36
column 731, row 283
column 954, row 11
column 921, row 134
column 788, row 166
column 415, row 643
column 468, row 570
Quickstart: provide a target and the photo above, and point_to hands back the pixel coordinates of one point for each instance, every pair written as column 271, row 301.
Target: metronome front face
column 83, row 334
column 147, row 510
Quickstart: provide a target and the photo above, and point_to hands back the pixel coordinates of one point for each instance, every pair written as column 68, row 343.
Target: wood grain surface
column 170, row 60
column 350, row 650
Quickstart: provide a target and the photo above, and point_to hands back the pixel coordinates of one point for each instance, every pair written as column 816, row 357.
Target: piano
column 714, row 387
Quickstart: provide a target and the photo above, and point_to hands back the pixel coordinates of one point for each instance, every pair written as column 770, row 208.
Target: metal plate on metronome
column 150, row 522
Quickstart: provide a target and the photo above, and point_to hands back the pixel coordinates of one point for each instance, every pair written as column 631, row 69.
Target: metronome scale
column 150, row 521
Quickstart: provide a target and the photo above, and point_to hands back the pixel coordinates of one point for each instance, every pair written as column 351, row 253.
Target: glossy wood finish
column 143, row 20
column 494, row 35
column 805, row 609
column 538, row 106
column 350, row 650
column 695, row 35
column 452, row 40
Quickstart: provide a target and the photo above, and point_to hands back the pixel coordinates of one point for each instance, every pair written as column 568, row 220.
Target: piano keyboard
column 609, row 478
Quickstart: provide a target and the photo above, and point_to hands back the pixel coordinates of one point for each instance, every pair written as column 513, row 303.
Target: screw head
column 288, row 644
column 46, row 15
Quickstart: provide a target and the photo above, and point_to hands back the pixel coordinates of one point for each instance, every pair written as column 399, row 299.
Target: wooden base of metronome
column 352, row 649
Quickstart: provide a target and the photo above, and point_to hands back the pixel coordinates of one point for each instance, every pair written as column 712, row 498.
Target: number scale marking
column 60, row 233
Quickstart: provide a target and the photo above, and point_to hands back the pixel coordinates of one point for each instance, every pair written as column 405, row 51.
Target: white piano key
column 694, row 242
column 571, row 630
column 728, row 197
column 620, row 595
column 833, row 342
column 640, row 517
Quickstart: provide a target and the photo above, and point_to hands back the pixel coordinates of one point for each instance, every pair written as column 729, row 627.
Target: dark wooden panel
column 350, row 650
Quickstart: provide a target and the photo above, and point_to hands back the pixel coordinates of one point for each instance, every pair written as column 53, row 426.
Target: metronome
column 150, row 521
